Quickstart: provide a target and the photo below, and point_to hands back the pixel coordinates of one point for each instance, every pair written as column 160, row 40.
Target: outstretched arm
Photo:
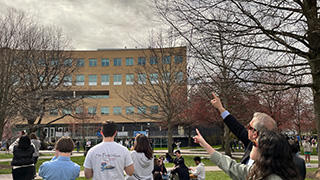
column 200, row 140
column 216, row 102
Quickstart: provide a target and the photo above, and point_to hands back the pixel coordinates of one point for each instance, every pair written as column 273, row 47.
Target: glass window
column 80, row 80
column 141, row 61
column 154, row 78
column 117, row 79
column 129, row 110
column 80, row 62
column 129, row 61
column 92, row 110
column 79, row 110
column 55, row 80
column 142, row 109
column 66, row 111
column 67, row 80
column 67, row 62
column 142, row 78
column 166, row 59
column 42, row 62
column 117, row 62
column 116, row 110
column 129, row 79
column 53, row 111
column 92, row 80
column 105, row 79
column 179, row 76
column 92, row 62
column 178, row 59
column 104, row 62
column 154, row 109
column 153, row 60
column 55, row 62
column 104, row 110
column 166, row 77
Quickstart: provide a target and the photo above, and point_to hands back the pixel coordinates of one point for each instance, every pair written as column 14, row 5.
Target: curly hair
column 274, row 157
column 143, row 145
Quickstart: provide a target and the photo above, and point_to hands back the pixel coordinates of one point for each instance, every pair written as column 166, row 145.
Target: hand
column 132, row 148
column 199, row 139
column 216, row 102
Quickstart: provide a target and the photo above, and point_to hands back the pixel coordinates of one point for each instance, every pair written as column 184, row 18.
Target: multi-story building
column 101, row 77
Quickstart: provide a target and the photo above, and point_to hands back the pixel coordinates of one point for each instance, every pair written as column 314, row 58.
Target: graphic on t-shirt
column 108, row 162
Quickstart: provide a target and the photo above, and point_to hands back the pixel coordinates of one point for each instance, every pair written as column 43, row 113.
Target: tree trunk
column 317, row 118
column 170, row 150
column 189, row 137
column 227, row 140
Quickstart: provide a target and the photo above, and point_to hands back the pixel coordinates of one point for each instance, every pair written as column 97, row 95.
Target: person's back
column 61, row 167
column 108, row 159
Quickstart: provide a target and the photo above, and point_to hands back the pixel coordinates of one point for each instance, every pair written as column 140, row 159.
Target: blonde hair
column 264, row 122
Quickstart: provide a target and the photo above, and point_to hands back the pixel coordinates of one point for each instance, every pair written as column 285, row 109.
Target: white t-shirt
column 108, row 160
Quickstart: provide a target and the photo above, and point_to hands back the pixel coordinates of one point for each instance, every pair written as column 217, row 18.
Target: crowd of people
column 268, row 155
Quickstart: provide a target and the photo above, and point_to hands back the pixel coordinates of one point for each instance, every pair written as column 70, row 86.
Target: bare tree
column 36, row 71
column 159, row 85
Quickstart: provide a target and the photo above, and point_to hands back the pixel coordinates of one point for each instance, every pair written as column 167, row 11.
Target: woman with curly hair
column 273, row 159
column 142, row 157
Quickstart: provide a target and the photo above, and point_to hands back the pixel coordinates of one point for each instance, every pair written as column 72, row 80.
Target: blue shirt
column 61, row 168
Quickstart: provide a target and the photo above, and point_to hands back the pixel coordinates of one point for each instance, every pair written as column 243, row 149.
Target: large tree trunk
column 170, row 138
column 227, row 140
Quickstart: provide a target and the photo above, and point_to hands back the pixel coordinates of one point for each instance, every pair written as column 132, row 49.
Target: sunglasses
column 249, row 127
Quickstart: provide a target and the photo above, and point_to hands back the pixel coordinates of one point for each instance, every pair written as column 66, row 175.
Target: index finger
column 214, row 95
column 198, row 132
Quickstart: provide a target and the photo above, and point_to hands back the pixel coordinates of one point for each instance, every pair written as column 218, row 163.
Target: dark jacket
column 181, row 169
column 242, row 134
column 300, row 164
column 22, row 156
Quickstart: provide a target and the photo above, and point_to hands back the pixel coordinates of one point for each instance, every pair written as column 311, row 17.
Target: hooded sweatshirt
column 142, row 167
column 200, row 171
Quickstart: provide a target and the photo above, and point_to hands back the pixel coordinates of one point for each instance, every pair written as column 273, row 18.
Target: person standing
column 179, row 167
column 307, row 151
column 61, row 167
column 84, row 145
column 36, row 142
column 78, row 145
column 142, row 157
column 22, row 161
column 108, row 159
column 199, row 173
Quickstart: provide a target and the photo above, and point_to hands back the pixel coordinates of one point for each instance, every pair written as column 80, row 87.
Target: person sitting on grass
column 61, row 167
column 198, row 173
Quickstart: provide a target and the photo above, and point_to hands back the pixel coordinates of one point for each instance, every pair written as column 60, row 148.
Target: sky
column 95, row 24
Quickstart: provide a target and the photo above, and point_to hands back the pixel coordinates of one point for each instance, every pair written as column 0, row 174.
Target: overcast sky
column 94, row 24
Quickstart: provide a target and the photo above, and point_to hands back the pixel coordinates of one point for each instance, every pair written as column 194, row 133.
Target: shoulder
column 273, row 177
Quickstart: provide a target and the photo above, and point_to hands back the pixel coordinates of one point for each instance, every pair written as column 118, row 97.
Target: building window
column 79, row 110
column 166, row 77
column 129, row 110
column 166, row 59
column 92, row 110
column 80, row 62
column 104, row 110
column 105, row 79
column 53, row 111
column 67, row 62
column 117, row 62
column 142, row 61
column 67, row 80
column 80, row 80
column 179, row 76
column 178, row 59
column 104, row 62
column 116, row 110
column 142, row 109
column 129, row 61
column 42, row 62
column 154, row 109
column 55, row 62
column 93, row 62
column 142, row 78
column 153, row 60
column 92, row 80
column 129, row 79
column 154, row 78
column 117, row 79
column 54, row 80
column 66, row 111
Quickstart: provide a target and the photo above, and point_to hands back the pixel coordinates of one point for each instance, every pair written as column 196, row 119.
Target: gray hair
column 264, row 122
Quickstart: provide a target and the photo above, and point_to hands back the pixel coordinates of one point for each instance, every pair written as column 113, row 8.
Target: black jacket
column 181, row 169
column 301, row 167
column 242, row 134
column 22, row 156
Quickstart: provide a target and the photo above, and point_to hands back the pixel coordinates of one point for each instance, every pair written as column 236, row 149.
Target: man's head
column 197, row 160
column 260, row 122
column 65, row 145
column 177, row 153
column 108, row 128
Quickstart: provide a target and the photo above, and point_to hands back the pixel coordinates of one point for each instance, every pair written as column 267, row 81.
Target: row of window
column 117, row 110
column 129, row 61
column 117, row 79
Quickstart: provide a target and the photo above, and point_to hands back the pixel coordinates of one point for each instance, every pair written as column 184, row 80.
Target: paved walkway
column 194, row 152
